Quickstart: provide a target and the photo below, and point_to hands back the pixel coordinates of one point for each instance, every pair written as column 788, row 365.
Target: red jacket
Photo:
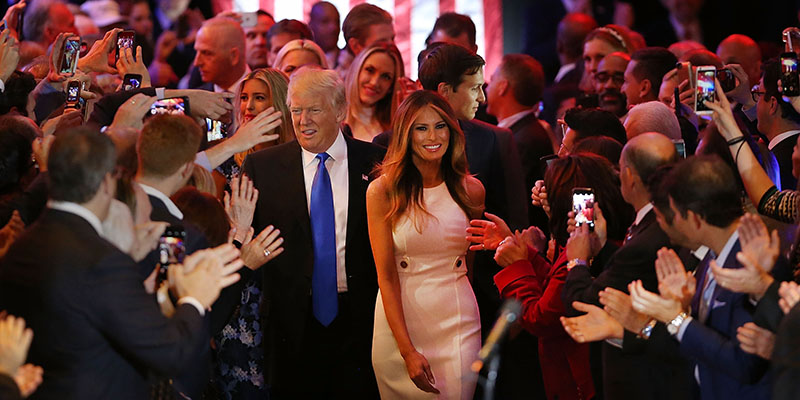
column 537, row 285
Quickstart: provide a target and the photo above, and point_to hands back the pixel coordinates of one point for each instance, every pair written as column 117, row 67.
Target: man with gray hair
column 321, row 292
column 45, row 19
column 221, row 55
column 652, row 116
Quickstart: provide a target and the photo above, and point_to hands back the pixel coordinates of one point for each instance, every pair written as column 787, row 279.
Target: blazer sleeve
column 506, row 158
column 8, row 388
column 130, row 318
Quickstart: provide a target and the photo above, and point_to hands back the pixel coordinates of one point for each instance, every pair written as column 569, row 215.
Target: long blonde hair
column 398, row 168
column 277, row 83
column 386, row 107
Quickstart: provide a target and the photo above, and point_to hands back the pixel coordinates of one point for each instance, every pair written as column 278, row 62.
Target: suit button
column 458, row 263
column 403, row 264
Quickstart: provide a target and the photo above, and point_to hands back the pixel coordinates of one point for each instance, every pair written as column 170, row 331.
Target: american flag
column 413, row 21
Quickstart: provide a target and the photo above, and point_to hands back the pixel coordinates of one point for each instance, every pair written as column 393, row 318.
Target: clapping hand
column 645, row 302
column 758, row 255
column 595, row 325
column 620, row 307
column 790, row 295
column 205, row 273
column 15, row 340
column 487, row 235
column 674, row 282
column 756, row 340
column 240, row 205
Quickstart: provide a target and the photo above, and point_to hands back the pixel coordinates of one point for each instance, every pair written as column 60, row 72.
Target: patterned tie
column 325, row 302
column 629, row 234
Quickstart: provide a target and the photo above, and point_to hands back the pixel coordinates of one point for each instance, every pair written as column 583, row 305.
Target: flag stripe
column 402, row 30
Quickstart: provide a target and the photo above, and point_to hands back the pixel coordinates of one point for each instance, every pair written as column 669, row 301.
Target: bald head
column 648, row 152
column 652, row 116
column 742, row 50
column 572, row 30
column 220, row 47
column 225, row 32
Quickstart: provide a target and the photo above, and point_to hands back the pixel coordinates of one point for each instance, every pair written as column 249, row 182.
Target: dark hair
column 652, row 63
column 15, row 157
column 772, row 72
column 360, row 18
column 166, row 143
column 602, row 146
column 448, row 63
column 18, row 86
column 455, row 25
column 290, row 26
column 702, row 57
column 78, row 162
column 205, row 212
column 264, row 13
column 704, row 185
column 525, row 76
column 571, row 33
column 592, row 171
column 589, row 122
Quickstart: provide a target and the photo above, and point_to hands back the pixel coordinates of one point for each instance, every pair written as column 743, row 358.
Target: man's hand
column 206, row 104
column 240, row 205
column 131, row 113
column 97, row 58
column 71, row 118
column 740, row 93
column 28, row 378
column 41, row 151
column 619, row 306
column 757, row 243
column 487, row 235
column 756, row 340
column 674, row 282
column 146, row 237
column 259, row 130
column 511, row 250
column 595, row 325
column 14, row 343
column 539, row 196
column 261, row 249
column 9, row 55
column 205, row 273
column 10, row 232
column 127, row 64
column 165, row 45
column 723, row 116
column 664, row 310
column 790, row 295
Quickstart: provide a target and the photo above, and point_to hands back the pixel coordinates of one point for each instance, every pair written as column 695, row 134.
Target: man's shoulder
column 368, row 150
column 476, row 125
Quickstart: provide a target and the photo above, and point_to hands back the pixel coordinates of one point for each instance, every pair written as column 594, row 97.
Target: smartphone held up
column 583, row 206
column 706, row 89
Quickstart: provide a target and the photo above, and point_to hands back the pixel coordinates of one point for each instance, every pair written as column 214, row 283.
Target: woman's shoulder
column 474, row 188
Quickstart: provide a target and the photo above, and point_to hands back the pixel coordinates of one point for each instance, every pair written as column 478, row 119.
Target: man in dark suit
column 320, row 293
column 779, row 122
column 98, row 333
column 627, row 374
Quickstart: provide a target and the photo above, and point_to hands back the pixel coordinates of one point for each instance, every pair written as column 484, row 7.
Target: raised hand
column 97, row 58
column 620, row 307
column 579, row 244
column 511, row 250
column 128, row 64
column 757, row 243
column 420, row 372
column 723, row 116
column 645, row 302
column 674, row 282
column 790, row 295
column 487, row 235
column 539, row 196
column 595, row 325
column 15, row 340
column 205, row 273
column 9, row 54
column 240, row 205
column 535, row 238
column 756, row 340
column 741, row 93
column 132, row 112
column 259, row 130
column 261, row 249
column 12, row 18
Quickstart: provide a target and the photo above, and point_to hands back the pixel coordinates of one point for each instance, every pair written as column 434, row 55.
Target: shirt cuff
column 193, row 302
column 615, row 342
column 201, row 159
column 682, row 329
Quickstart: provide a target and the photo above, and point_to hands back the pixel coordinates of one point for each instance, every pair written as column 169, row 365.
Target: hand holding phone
column 173, row 105
column 583, row 206
column 706, row 89
column 171, row 250
column 125, row 40
column 790, row 81
column 70, row 54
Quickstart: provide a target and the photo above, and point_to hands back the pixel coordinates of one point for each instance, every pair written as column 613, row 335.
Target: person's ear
column 236, row 56
column 645, row 88
column 773, row 105
column 187, row 170
column 444, row 89
column 355, row 46
column 503, row 87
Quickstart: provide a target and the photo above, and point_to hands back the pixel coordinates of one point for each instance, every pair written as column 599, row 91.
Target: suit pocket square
column 718, row 304
column 364, row 177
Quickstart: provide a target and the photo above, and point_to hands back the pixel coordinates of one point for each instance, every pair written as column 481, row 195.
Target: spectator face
column 593, row 52
column 679, row 231
column 608, row 80
column 140, row 20
column 763, row 109
column 256, row 42
column 296, row 59
column 430, row 136
column 461, row 40
column 276, row 43
column 256, row 97
column 632, row 87
column 466, row 98
column 213, row 61
column 667, row 90
column 316, row 123
column 325, row 25
column 567, row 142
column 376, row 78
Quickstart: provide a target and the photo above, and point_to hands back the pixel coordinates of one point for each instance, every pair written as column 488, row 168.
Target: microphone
column 509, row 314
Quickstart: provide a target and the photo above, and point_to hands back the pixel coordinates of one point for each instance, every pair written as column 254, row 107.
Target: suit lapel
column 293, row 189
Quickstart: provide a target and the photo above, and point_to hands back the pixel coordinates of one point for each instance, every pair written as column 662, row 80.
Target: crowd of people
column 230, row 207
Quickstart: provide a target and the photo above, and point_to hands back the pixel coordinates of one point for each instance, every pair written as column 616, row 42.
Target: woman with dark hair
column 427, row 328
column 602, row 146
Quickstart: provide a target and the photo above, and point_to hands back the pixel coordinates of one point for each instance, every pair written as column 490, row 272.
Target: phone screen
column 175, row 105
column 705, row 89
column 790, row 83
column 72, row 48
column 73, row 91
column 131, row 82
column 125, row 40
column 171, row 249
column 680, row 147
column 583, row 206
column 214, row 130
column 727, row 81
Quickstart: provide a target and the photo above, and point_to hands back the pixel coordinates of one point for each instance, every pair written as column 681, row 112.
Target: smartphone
column 790, row 82
column 214, row 130
column 173, row 105
column 69, row 61
column 20, row 19
column 680, row 147
column 131, row 81
column 727, row 81
column 171, row 249
column 249, row 19
column 583, row 206
column 684, row 72
column 73, row 95
column 705, row 89
column 125, row 40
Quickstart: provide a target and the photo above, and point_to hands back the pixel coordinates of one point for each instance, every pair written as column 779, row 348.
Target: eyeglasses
column 603, row 77
column 756, row 93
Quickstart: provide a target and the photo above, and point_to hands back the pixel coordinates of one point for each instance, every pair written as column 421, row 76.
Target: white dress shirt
column 235, row 86
column 171, row 207
column 340, row 185
column 781, row 137
column 642, row 213
column 563, row 70
column 508, row 121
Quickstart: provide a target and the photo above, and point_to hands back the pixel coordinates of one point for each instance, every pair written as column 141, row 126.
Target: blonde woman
column 427, row 328
column 374, row 89
column 297, row 53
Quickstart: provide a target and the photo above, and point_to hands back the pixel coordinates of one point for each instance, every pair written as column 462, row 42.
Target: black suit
column 786, row 357
column 97, row 333
column 195, row 240
column 8, row 388
column 299, row 365
column 783, row 153
column 533, row 143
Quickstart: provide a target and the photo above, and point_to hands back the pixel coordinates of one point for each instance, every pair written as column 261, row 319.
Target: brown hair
column 386, row 107
column 205, row 212
column 360, row 18
column 398, row 167
column 167, row 142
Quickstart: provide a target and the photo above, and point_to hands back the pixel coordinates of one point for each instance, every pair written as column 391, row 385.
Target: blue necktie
column 324, row 296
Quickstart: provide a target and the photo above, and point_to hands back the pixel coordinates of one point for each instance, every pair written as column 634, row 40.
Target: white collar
column 779, row 138
column 235, row 86
column 563, row 71
column 642, row 213
column 508, row 121
column 79, row 210
column 723, row 255
column 337, row 151
column 171, row 207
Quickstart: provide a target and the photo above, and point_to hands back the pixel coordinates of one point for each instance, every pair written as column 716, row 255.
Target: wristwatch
column 676, row 323
column 647, row 330
column 575, row 262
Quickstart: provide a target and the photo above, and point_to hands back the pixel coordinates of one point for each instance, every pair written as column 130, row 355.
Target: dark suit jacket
column 533, row 143
column 786, row 357
column 783, row 153
column 97, row 333
column 8, row 388
column 277, row 172
column 195, row 240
